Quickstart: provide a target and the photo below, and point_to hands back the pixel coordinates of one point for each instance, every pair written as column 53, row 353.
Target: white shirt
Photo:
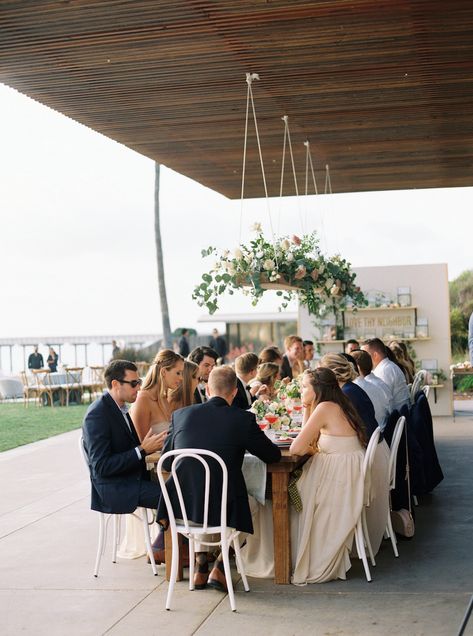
column 380, row 399
column 392, row 375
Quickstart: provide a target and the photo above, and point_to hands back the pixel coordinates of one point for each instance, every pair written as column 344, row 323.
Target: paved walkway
column 48, row 539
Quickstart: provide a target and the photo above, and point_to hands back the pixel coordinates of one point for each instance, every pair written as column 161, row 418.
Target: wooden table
column 278, row 478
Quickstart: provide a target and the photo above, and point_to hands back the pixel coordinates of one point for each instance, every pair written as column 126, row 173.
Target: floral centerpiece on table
column 295, row 267
column 262, row 408
column 293, row 390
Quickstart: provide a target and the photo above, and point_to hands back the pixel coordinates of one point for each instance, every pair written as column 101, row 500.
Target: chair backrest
column 393, row 451
column 74, row 375
column 370, row 451
column 418, row 383
column 42, row 377
column 197, row 454
column 426, row 390
column 83, row 453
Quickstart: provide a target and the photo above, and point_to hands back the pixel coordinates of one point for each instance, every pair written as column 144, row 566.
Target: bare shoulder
column 327, row 408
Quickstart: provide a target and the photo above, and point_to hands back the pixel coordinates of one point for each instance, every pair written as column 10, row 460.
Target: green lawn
column 20, row 425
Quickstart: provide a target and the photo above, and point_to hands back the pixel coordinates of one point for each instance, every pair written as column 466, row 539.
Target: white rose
column 290, row 257
column 268, row 264
column 231, row 269
column 238, row 253
column 328, row 283
column 259, row 254
column 256, row 227
column 226, row 253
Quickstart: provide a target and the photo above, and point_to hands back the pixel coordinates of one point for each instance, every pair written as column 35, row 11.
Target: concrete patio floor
column 48, row 538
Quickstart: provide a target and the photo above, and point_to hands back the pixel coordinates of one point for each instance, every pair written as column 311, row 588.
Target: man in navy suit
column 228, row 431
column 120, row 481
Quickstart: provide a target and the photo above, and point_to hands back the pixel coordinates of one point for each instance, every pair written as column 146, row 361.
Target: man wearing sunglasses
column 120, row 481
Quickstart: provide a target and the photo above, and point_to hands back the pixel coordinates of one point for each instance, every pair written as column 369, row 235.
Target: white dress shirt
column 247, row 390
column 381, row 403
column 392, row 375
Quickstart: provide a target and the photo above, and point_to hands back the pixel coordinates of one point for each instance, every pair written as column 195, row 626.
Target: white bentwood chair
column 195, row 533
column 361, row 528
column 104, row 519
column 397, row 434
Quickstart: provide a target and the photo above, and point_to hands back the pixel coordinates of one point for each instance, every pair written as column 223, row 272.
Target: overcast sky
column 77, row 251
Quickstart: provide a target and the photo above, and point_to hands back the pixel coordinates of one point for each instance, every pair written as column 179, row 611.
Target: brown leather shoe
column 217, row 580
column 200, row 580
column 160, row 557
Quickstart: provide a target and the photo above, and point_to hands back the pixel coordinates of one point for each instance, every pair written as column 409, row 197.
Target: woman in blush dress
column 330, row 489
column 152, row 408
column 378, row 485
column 331, row 486
column 263, row 384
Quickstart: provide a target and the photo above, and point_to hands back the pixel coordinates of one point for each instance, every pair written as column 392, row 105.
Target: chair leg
column 360, row 546
column 149, row 549
column 392, row 534
column 174, row 566
column 102, row 532
column 228, row 573
column 116, row 536
column 191, row 562
column 367, row 537
column 239, row 562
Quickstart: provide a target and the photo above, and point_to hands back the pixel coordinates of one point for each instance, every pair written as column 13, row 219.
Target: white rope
column 308, row 160
column 243, row 170
column 249, row 78
column 287, row 134
column 328, row 183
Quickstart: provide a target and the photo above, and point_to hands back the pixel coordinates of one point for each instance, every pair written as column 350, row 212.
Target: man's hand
column 152, row 443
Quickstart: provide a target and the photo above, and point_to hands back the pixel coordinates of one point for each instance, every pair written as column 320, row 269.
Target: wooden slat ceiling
column 383, row 89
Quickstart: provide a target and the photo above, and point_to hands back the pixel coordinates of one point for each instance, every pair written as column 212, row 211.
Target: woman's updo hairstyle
column 164, row 359
column 342, row 368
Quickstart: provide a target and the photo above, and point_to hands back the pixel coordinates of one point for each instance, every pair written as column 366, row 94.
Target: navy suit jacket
column 241, row 399
column 115, row 469
column 227, row 431
column 363, row 405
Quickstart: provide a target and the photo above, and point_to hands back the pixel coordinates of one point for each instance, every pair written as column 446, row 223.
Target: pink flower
column 296, row 240
column 314, row 274
column 300, row 272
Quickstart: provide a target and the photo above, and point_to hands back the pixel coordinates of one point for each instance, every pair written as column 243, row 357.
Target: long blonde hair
column 164, row 359
column 184, row 395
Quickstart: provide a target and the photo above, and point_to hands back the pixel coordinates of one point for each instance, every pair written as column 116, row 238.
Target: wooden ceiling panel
column 383, row 89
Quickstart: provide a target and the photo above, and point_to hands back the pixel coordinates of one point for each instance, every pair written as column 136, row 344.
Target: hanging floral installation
column 294, row 267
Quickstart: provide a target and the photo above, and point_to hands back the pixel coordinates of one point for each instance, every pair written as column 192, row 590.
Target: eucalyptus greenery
column 293, row 266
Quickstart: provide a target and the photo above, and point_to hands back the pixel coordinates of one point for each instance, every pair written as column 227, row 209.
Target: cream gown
column 331, row 488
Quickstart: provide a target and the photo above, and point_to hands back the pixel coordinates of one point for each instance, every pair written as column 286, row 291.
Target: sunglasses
column 132, row 383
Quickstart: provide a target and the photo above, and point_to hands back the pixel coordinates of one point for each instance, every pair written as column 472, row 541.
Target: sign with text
column 381, row 323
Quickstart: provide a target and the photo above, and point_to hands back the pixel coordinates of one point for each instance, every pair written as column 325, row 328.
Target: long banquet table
column 278, row 478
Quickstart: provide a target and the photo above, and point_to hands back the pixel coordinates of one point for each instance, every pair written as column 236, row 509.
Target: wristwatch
column 142, row 451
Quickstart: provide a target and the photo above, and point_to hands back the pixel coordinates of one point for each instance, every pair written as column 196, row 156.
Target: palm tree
column 159, row 258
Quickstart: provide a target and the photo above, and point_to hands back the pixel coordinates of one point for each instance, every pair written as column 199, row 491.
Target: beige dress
column 331, row 488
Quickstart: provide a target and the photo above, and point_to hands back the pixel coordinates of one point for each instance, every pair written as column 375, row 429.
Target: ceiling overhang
column 382, row 89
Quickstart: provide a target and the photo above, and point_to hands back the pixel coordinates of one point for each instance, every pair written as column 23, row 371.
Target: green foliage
column 296, row 265
column 135, row 355
column 22, row 425
column 461, row 307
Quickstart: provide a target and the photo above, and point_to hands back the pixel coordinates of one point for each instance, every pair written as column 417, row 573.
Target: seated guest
column 206, row 358
column 184, row 394
column 378, row 392
column 229, row 432
column 120, row 481
column 263, row 384
column 308, row 353
column 245, row 369
column 376, row 513
column 388, row 371
column 271, row 354
column 330, row 489
column 403, row 359
column 292, row 360
column 351, row 345
column 346, row 373
column 152, row 408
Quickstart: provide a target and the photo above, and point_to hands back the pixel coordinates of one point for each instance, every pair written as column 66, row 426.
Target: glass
column 132, row 383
